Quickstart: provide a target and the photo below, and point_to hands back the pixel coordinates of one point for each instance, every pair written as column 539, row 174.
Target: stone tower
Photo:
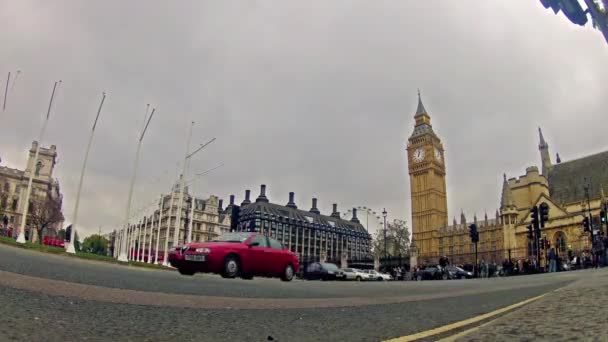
column 545, row 157
column 508, row 214
column 426, row 166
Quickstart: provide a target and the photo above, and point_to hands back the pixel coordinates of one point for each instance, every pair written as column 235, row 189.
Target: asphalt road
column 40, row 314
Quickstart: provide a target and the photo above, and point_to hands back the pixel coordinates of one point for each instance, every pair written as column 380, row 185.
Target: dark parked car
column 430, row 273
column 322, row 271
column 458, row 273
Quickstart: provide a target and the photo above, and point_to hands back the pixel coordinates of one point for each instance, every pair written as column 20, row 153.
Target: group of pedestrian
column 6, row 231
column 398, row 273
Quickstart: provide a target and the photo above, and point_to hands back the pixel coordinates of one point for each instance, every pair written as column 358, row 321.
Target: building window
column 560, row 243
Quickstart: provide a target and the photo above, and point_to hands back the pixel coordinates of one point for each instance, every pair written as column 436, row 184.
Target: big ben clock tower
column 426, row 164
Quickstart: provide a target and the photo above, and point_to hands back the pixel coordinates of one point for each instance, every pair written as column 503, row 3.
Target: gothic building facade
column 572, row 189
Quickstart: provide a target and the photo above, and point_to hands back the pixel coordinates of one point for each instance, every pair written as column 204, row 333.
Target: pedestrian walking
column 552, row 260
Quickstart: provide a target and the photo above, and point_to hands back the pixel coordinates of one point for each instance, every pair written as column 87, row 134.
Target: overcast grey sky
column 315, row 97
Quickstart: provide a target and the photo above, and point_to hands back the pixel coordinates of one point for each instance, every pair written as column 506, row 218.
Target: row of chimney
column 291, row 204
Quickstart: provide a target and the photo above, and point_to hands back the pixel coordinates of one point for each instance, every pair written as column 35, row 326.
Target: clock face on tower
column 418, row 155
column 437, row 154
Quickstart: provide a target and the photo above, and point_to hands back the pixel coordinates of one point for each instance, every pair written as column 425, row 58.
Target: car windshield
column 233, row 237
column 330, row 267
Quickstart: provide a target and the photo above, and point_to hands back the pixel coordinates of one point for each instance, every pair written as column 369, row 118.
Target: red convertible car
column 236, row 254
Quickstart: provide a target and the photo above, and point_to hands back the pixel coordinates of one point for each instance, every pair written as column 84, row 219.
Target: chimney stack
column 314, row 207
column 247, row 200
column 231, row 200
column 262, row 197
column 220, row 205
column 335, row 212
column 291, row 203
column 355, row 219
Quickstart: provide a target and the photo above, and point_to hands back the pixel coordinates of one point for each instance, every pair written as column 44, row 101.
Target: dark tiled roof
column 420, row 110
column 300, row 215
column 567, row 180
column 423, row 129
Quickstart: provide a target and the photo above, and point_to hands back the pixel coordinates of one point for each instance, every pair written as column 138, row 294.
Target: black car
column 458, row 273
column 321, row 271
column 429, row 273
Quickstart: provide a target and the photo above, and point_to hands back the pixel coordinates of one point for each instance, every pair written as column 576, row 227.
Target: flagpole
column 151, row 238
column 6, row 91
column 166, row 251
column 70, row 246
column 123, row 253
column 160, row 219
column 26, row 205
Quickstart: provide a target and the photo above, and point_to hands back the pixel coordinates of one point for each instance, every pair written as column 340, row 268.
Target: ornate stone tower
column 508, row 214
column 427, row 184
column 545, row 157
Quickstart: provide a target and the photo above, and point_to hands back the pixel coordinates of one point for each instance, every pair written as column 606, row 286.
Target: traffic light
column 544, row 214
column 534, row 217
column 586, row 224
column 530, row 233
column 473, row 233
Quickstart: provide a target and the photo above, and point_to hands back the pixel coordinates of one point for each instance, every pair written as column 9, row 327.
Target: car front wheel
column 358, row 278
column 183, row 270
column 287, row 273
column 231, row 267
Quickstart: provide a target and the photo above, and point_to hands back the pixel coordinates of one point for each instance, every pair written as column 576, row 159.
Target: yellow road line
column 447, row 328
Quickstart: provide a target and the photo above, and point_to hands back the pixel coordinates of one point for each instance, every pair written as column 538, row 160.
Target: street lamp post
column 193, row 182
column 384, row 213
column 187, row 158
column 182, row 185
column 123, row 252
column 70, row 246
column 26, row 205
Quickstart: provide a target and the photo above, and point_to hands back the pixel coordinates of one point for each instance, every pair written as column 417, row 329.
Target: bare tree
column 400, row 237
column 45, row 213
column 397, row 239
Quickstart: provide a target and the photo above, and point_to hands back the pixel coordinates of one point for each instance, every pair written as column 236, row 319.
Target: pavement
column 56, row 298
column 576, row 312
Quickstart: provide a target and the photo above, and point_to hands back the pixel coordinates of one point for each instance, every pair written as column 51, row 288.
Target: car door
column 257, row 256
column 277, row 257
column 349, row 274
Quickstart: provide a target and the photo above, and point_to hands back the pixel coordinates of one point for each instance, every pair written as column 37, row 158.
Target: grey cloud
column 315, row 97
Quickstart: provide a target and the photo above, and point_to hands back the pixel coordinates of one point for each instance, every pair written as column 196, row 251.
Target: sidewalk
column 576, row 312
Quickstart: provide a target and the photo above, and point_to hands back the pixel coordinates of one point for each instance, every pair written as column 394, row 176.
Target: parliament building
column 572, row 189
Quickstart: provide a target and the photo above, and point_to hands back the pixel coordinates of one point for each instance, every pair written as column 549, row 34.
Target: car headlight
column 203, row 250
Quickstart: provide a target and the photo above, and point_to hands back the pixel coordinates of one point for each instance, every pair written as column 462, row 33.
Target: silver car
column 354, row 274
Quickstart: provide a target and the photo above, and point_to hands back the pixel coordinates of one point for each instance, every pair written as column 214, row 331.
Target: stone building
column 13, row 185
column 572, row 189
column 308, row 233
column 204, row 219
